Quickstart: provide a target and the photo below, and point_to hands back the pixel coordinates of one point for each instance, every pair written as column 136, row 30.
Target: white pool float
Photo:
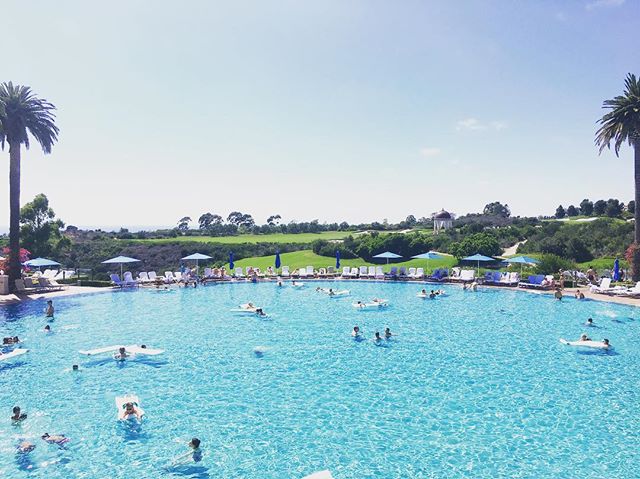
column 319, row 475
column 422, row 295
column 383, row 303
column 586, row 344
column 337, row 294
column 13, row 354
column 121, row 402
column 131, row 349
column 298, row 285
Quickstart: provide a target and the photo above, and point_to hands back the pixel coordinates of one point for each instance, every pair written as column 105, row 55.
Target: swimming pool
column 474, row 385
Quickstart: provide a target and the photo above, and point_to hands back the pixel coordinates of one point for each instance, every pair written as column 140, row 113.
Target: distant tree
column 183, row 224
column 71, row 229
column 631, row 207
column 586, row 207
column 22, row 113
column 483, row 243
column 235, row 218
column 208, row 220
column 572, row 211
column 622, row 125
column 344, row 226
column 411, row 220
column 560, row 213
column 497, row 209
column 599, row 207
column 613, row 208
column 246, row 221
column 274, row 220
column 40, row 229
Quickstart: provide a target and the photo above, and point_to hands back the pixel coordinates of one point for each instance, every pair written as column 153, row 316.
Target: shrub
column 551, row 264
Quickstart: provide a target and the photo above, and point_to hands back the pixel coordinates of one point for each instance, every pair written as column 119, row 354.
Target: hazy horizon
column 354, row 111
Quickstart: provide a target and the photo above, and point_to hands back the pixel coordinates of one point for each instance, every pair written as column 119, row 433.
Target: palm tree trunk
column 14, row 218
column 636, row 237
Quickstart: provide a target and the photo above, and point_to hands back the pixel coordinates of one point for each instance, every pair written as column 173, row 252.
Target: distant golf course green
column 304, row 258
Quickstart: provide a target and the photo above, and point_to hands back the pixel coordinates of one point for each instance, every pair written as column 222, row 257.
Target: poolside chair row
column 58, row 274
column 538, row 281
column 38, row 285
column 462, row 275
column 606, row 288
column 497, row 278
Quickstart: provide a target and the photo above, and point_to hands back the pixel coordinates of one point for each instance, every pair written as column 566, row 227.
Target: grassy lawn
column 268, row 238
column 300, row 259
column 602, row 263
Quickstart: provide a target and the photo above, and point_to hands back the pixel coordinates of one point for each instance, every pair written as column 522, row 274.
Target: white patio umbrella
column 196, row 257
column 121, row 260
column 428, row 255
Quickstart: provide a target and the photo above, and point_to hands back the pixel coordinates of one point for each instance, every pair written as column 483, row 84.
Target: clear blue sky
column 332, row 110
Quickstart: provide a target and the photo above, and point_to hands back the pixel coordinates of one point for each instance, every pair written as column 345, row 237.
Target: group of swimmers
column 25, row 447
column 358, row 336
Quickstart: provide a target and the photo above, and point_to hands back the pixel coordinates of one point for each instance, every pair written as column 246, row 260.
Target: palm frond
column 23, row 113
column 622, row 123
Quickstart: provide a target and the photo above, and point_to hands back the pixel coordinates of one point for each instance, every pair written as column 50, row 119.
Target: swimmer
column 464, row 287
column 18, row 415
column 424, row 291
column 195, row 454
column 606, row 343
column 75, row 367
column 10, row 340
column 130, row 409
column 331, row 292
column 377, row 338
column 260, row 312
column 25, row 447
column 59, row 439
column 47, row 329
column 49, row 311
column 584, row 337
column 558, row 294
column 121, row 355
column 589, row 323
column 387, row 333
column 474, row 286
column 356, row 332
column 432, row 295
column 579, row 295
column 293, row 283
column 280, row 283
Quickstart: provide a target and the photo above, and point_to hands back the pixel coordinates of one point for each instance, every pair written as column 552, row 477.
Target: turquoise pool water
column 474, row 385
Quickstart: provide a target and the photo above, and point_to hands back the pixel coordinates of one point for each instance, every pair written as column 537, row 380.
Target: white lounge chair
column 633, row 292
column 331, row 271
column 143, row 277
column 362, row 273
column 419, row 273
column 605, row 287
column 372, row 272
column 379, row 272
column 128, row 279
column 310, row 272
column 354, row 272
column 467, row 275
column 346, row 272
column 168, row 276
column 412, row 273
column 239, row 273
column 285, row 272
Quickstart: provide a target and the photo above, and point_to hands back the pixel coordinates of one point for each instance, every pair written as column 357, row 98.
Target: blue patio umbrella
column 616, row 270
column 40, row 262
column 121, row 260
column 478, row 258
column 337, row 259
column 388, row 255
column 231, row 260
column 428, row 255
column 196, row 257
column 521, row 260
column 278, row 262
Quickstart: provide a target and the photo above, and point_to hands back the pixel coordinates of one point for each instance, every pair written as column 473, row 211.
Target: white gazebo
column 442, row 220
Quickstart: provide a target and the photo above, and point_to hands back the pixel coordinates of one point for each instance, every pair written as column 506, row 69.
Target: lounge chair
column 371, row 273
column 354, row 272
column 238, row 273
column 49, row 284
column 22, row 289
column 393, row 274
column 128, row 279
column 346, row 272
column 533, row 281
column 412, row 273
column 285, row 272
column 605, row 287
column 322, row 272
column 168, row 277
column 207, row 273
column 467, row 275
column 310, row 272
column 331, row 271
column 302, row 273
column 31, row 286
column 362, row 272
column 179, row 277
column 143, row 277
column 630, row 292
column 403, row 272
column 379, row 272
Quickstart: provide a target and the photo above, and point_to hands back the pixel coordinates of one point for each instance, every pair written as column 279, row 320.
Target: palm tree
column 22, row 113
column 622, row 125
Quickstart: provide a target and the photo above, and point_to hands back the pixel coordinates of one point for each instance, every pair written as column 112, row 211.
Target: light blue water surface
column 474, row 385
